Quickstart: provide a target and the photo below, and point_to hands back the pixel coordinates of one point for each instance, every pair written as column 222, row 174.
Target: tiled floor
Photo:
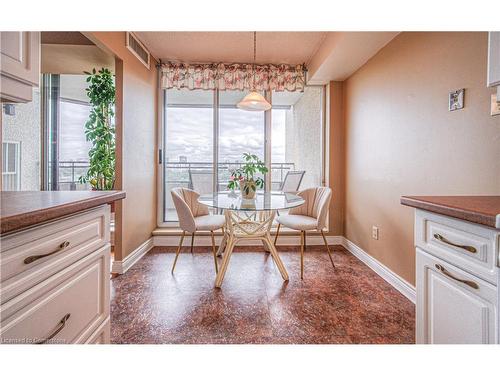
column 350, row 304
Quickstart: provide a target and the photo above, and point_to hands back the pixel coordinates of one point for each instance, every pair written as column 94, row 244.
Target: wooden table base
column 256, row 226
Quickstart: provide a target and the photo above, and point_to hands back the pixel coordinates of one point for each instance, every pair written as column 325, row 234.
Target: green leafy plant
column 100, row 131
column 245, row 175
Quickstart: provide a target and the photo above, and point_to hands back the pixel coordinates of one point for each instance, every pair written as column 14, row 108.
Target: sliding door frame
column 162, row 106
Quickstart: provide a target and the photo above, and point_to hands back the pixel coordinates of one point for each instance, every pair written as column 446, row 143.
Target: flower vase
column 248, row 189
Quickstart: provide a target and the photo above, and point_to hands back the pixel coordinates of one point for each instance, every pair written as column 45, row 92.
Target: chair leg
column 305, row 241
column 302, row 245
column 178, row 250
column 277, row 234
column 192, row 242
column 214, row 252
column 327, row 248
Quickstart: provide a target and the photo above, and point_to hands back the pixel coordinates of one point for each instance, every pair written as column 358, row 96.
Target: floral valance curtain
column 233, row 77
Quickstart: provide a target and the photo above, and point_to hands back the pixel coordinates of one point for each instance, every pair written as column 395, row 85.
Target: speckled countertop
column 22, row 209
column 483, row 210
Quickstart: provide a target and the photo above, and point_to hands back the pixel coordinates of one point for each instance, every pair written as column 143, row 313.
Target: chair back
column 317, row 201
column 291, row 183
column 187, row 207
column 201, row 181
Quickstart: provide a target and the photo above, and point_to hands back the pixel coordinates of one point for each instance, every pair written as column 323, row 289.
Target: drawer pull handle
column 32, row 258
column 444, row 271
column 470, row 249
column 59, row 328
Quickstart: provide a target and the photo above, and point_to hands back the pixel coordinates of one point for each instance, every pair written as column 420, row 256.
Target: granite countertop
column 22, row 209
column 483, row 210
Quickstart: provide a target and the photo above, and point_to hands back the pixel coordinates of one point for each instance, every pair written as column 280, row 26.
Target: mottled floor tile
column 346, row 305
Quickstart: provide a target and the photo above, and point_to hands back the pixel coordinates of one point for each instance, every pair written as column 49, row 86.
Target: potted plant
column 244, row 177
column 100, row 131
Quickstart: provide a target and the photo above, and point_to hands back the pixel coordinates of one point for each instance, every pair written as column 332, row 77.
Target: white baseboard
column 202, row 240
column 404, row 287
column 121, row 266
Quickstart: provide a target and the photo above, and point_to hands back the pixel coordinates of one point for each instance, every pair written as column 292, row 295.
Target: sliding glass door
column 204, row 136
column 188, row 144
column 297, row 135
column 238, row 132
column 65, row 110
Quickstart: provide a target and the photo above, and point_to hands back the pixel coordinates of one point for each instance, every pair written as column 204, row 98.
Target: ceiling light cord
column 254, row 46
column 254, row 58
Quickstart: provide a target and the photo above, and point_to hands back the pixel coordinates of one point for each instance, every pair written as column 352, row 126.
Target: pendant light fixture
column 254, row 101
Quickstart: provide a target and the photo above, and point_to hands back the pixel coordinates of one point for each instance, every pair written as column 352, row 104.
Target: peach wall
column 400, row 138
column 337, row 159
column 136, row 143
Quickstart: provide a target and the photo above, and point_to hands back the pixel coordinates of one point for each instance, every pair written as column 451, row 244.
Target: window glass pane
column 66, row 110
column 296, row 137
column 74, row 149
column 239, row 131
column 4, row 156
column 11, row 157
column 188, row 151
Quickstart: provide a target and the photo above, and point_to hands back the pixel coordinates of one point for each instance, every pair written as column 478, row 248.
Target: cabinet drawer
column 101, row 335
column 33, row 255
column 66, row 308
column 453, row 306
column 472, row 247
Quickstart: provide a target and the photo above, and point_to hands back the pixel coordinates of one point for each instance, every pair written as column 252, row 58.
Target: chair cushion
column 298, row 222
column 209, row 222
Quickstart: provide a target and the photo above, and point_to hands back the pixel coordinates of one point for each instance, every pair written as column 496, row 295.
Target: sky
column 72, row 143
column 189, row 132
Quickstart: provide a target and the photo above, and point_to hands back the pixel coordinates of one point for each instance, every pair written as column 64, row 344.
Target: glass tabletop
column 274, row 200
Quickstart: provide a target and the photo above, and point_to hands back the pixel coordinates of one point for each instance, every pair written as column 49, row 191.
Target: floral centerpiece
column 244, row 177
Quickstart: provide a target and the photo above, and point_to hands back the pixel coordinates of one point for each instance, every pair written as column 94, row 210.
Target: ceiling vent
column 138, row 49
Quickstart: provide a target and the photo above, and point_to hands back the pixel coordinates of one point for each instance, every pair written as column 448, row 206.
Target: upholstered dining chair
column 308, row 217
column 194, row 217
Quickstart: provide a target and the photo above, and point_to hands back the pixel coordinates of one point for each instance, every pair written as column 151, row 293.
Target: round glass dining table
column 249, row 219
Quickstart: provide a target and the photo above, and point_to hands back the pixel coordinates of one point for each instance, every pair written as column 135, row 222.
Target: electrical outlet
column 495, row 106
column 375, row 233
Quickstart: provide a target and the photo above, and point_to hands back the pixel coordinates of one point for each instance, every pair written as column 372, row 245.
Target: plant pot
column 248, row 189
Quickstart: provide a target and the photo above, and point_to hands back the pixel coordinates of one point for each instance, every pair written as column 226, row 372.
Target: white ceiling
column 329, row 56
column 341, row 54
column 272, row 47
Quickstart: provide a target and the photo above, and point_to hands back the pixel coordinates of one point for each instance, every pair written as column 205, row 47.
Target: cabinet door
column 20, row 68
column 453, row 306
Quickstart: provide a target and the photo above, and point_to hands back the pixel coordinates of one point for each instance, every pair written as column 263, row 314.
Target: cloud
column 189, row 133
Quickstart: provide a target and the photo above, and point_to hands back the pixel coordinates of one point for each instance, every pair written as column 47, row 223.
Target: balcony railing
column 68, row 174
column 177, row 175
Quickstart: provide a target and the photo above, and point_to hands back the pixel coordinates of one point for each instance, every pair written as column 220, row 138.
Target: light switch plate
column 495, row 106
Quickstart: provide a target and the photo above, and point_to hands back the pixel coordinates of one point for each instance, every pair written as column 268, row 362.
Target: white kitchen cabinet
column 453, row 306
column 55, row 283
column 457, row 280
column 20, row 65
column 494, row 58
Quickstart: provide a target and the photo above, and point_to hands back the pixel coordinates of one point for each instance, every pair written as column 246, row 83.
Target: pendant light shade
column 254, row 102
